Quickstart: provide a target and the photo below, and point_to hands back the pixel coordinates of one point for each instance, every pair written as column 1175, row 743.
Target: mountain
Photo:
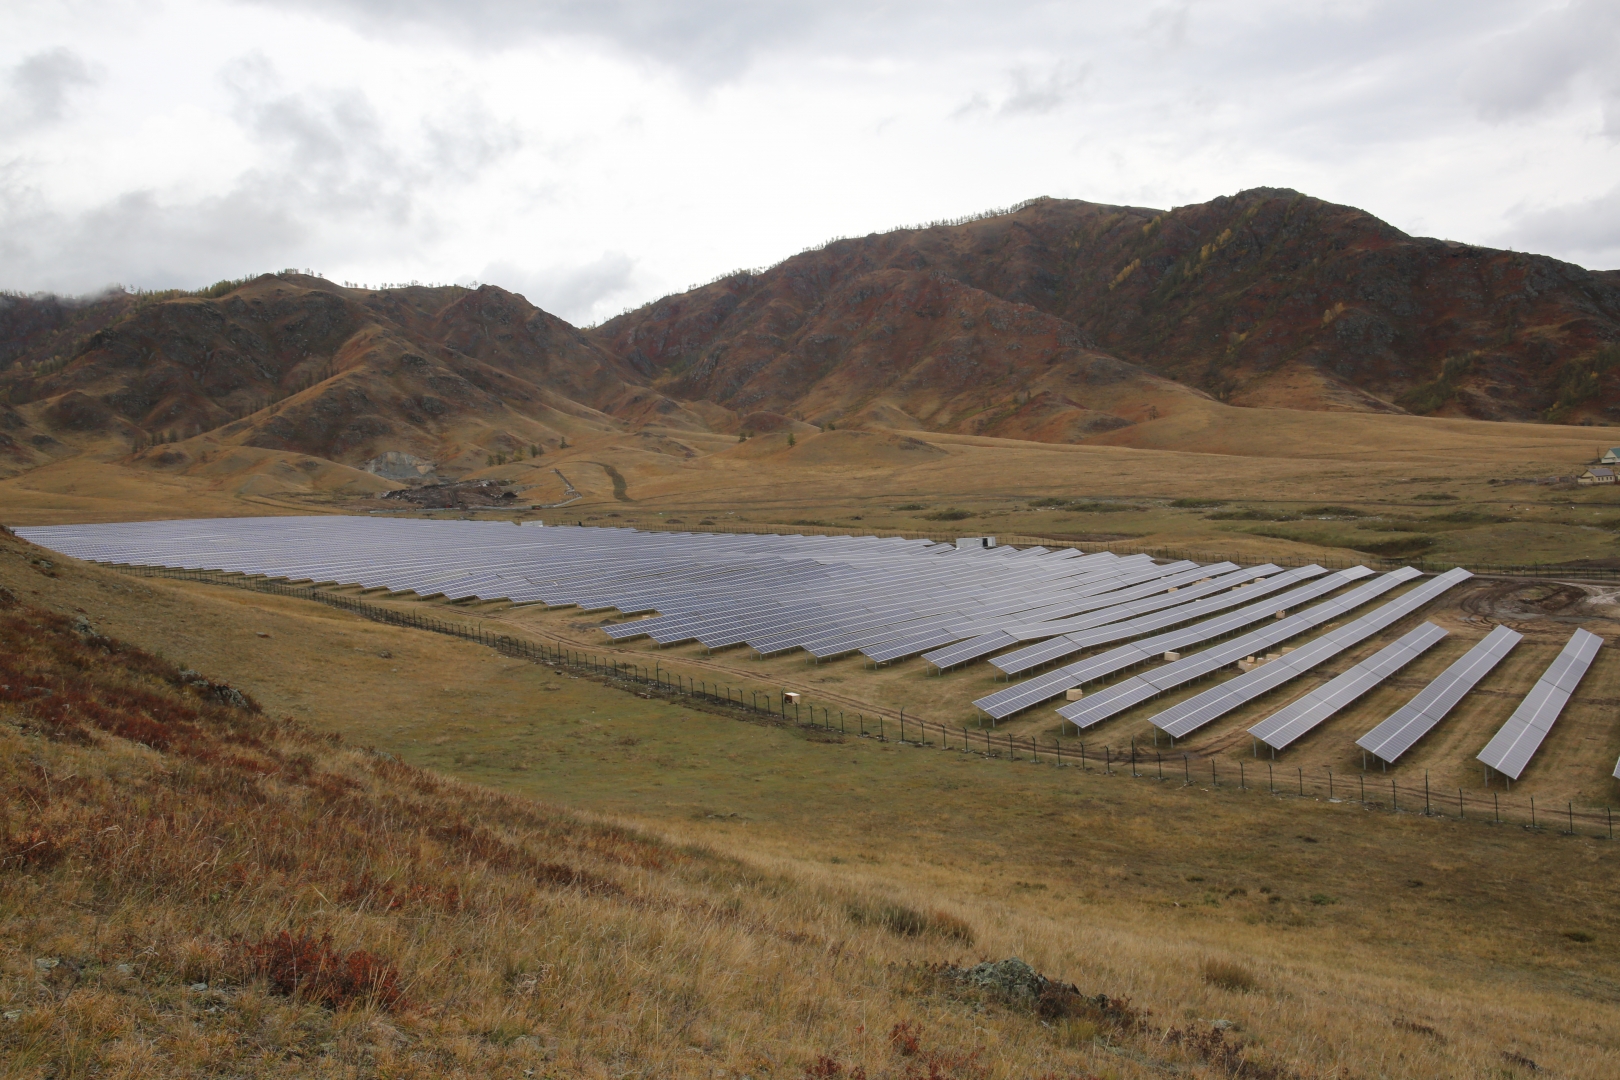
column 1266, row 298
column 1059, row 321
column 297, row 364
column 840, row 337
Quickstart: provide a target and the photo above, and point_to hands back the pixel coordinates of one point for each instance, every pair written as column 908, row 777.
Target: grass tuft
column 1230, row 976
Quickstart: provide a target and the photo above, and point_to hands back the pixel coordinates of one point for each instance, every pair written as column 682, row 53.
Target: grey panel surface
column 1517, row 741
column 1404, row 727
column 1285, row 726
column 1033, row 691
column 1188, row 716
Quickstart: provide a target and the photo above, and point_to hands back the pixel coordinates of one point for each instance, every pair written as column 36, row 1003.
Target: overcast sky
column 595, row 154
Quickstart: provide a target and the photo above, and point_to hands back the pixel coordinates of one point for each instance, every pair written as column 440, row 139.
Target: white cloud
column 39, row 86
column 1586, row 230
column 1541, row 64
column 594, row 155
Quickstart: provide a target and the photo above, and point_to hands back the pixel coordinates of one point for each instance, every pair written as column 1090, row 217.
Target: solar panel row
column 1285, row 726
column 1188, row 716
column 1404, row 727
column 1517, row 741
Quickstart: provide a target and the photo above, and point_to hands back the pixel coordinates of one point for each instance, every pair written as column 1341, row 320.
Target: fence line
column 1373, row 791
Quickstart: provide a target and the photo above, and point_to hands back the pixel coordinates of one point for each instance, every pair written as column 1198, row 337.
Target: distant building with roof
column 1611, row 456
column 1596, row 475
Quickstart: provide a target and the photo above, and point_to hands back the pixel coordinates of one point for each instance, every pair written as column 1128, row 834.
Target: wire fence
column 1372, row 791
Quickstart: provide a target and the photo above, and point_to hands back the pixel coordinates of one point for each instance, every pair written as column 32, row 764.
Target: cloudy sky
column 594, row 154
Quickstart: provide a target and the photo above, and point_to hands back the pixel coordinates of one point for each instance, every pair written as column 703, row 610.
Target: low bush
column 1251, row 514
column 906, row 921
column 949, row 515
column 302, row 965
column 1197, row 504
column 1091, row 506
column 1229, row 976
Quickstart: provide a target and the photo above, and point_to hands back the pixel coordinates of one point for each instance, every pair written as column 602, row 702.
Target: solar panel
column 1285, row 726
column 1404, row 727
column 1517, row 741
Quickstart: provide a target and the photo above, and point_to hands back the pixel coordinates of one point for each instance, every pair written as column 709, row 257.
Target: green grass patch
column 949, row 515
column 1334, row 511
column 1197, row 504
column 1251, row 514
column 1392, row 547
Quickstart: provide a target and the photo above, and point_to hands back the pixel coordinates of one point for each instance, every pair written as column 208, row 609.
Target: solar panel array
column 1406, row 725
column 886, row 598
column 1032, row 692
column 1231, row 595
column 1190, row 715
column 1167, row 593
column 1132, row 692
column 1512, row 747
column 1285, row 726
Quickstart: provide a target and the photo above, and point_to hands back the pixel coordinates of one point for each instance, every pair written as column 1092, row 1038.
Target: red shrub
column 904, row 1037
column 35, row 848
column 308, row 967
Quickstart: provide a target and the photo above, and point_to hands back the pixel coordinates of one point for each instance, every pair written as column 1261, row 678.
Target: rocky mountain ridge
column 1060, row 321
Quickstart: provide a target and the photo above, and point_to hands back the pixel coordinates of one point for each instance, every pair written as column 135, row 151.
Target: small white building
column 965, row 542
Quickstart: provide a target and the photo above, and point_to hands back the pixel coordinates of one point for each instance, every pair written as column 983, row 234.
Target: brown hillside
column 296, row 364
column 836, row 337
column 1265, row 298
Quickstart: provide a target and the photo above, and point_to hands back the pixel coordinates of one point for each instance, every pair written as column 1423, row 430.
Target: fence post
column 1572, row 819
column 1532, row 811
column 1425, row 792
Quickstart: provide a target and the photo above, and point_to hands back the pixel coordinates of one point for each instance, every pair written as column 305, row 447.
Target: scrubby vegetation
column 189, row 886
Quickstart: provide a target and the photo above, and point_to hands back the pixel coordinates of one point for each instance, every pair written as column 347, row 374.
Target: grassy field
column 1371, row 944
column 1286, row 482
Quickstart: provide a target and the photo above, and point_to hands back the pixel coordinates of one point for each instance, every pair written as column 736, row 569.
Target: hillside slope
column 297, row 364
column 839, row 337
column 1268, row 297
column 189, row 886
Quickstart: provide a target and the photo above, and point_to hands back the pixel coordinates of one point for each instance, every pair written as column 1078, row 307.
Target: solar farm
column 1088, row 637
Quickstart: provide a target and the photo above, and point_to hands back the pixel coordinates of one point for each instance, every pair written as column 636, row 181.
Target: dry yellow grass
column 1379, row 945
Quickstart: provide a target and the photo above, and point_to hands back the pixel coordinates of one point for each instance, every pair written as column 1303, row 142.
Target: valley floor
column 1366, row 943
